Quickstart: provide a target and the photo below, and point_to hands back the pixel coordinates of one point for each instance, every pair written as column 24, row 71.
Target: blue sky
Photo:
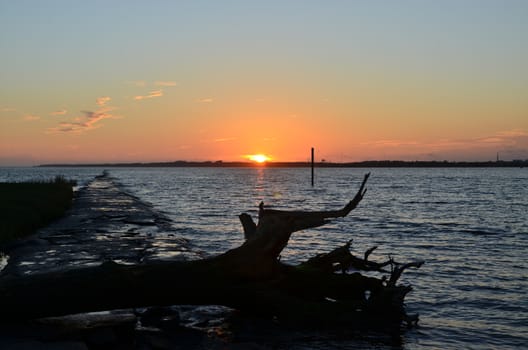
column 380, row 64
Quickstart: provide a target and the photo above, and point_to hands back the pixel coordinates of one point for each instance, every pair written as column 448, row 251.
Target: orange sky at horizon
column 207, row 81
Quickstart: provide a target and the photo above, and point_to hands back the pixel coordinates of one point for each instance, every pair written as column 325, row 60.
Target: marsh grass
column 27, row 206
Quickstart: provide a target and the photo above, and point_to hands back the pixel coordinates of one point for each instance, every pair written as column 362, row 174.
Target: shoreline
column 103, row 223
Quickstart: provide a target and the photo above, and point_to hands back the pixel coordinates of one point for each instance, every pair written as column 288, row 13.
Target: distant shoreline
column 364, row 164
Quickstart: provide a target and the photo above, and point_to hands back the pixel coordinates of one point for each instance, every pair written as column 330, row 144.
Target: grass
column 27, row 206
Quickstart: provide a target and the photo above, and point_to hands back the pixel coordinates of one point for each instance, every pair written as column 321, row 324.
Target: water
column 469, row 225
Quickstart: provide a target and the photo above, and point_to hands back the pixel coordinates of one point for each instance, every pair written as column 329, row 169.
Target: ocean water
column 470, row 225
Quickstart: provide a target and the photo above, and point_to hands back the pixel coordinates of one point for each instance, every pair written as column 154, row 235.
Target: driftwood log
column 319, row 292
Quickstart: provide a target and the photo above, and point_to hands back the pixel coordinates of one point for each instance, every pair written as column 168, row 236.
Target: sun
column 259, row 158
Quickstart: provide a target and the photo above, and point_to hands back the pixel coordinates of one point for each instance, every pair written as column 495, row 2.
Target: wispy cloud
column 503, row 138
column 225, row 139
column 511, row 134
column 205, row 100
column 87, row 121
column 31, row 117
column 59, row 112
column 390, row 143
column 13, row 112
column 515, row 133
column 152, row 94
column 165, row 83
column 511, row 142
column 102, row 101
column 7, row 109
column 143, row 83
column 138, row 83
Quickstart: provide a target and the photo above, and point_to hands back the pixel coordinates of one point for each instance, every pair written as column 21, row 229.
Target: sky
column 143, row 81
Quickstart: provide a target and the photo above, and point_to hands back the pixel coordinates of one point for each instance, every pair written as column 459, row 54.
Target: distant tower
column 497, row 157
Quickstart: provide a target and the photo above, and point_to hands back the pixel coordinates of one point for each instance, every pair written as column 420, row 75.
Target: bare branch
column 249, row 226
column 398, row 270
column 307, row 219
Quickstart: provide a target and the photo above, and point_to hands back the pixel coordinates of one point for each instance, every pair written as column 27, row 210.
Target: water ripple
column 469, row 225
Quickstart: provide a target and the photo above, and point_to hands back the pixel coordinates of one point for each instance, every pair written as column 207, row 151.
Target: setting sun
column 389, row 85
column 259, row 158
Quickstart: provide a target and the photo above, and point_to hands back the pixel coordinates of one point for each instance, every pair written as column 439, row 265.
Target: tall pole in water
column 312, row 166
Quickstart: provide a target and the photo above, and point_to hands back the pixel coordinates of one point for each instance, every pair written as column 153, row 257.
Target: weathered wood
column 249, row 278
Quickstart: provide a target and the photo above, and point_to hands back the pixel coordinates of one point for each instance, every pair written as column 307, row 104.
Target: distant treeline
column 324, row 164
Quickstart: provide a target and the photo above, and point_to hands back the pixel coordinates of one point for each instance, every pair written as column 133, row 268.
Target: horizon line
column 221, row 163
